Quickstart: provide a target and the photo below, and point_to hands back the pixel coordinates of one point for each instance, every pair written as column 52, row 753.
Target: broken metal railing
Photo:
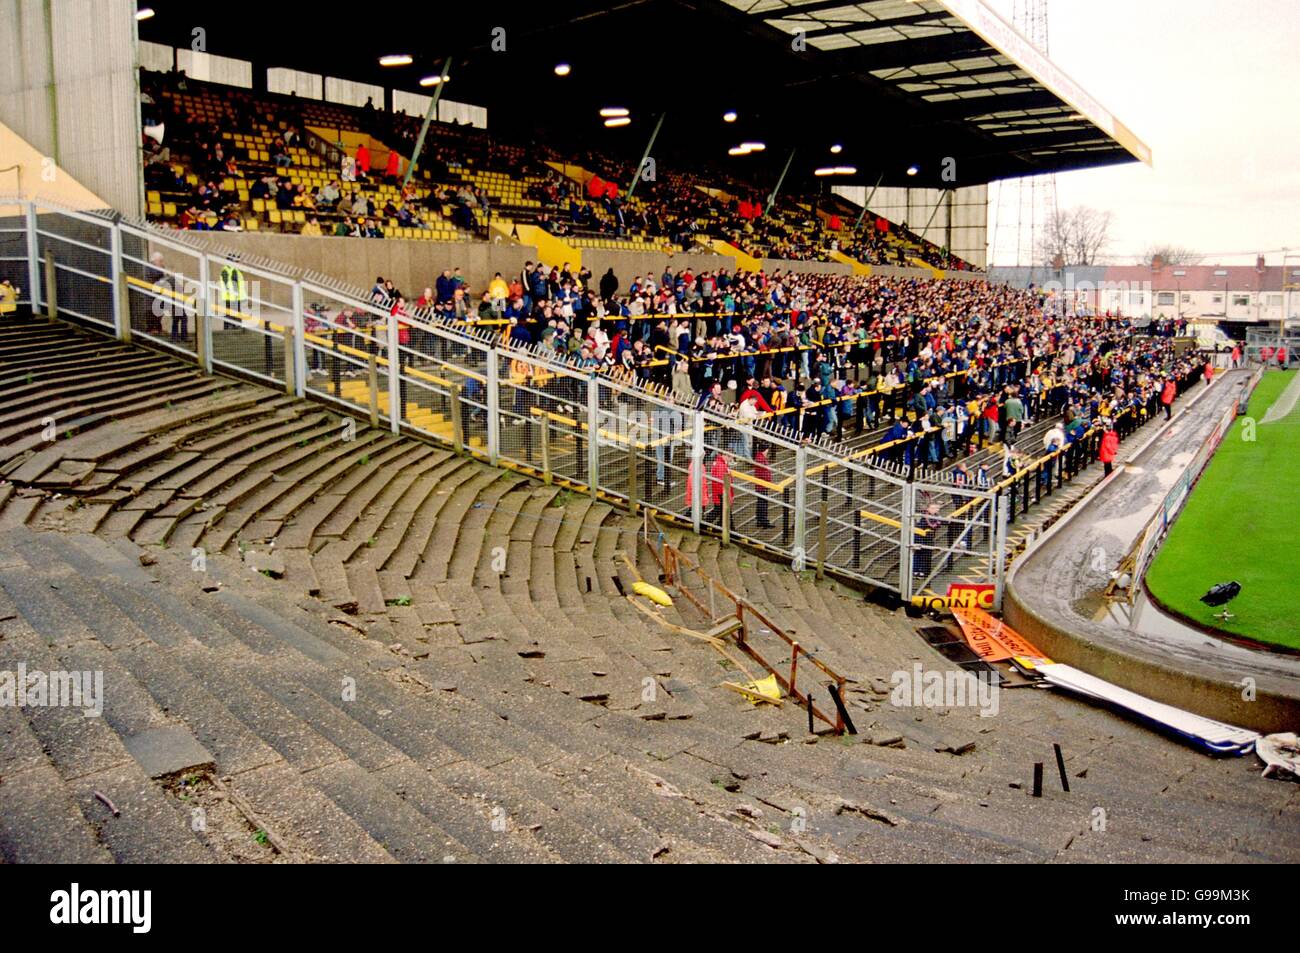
column 735, row 622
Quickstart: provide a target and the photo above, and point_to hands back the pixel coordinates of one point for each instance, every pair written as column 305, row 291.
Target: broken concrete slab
column 167, row 751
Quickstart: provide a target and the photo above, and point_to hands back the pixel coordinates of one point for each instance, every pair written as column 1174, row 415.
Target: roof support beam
column 978, row 105
column 428, row 118
column 817, row 7
column 930, row 49
column 948, row 74
column 850, row 26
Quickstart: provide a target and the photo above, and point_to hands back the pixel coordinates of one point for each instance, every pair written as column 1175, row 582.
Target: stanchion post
column 122, row 298
column 202, row 320
column 51, row 287
column 546, row 447
column 373, row 388
column 290, row 370
column 457, row 424
column 821, row 541
column 493, row 402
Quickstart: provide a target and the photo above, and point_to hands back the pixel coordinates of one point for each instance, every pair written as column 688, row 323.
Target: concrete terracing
column 1055, row 593
column 437, row 662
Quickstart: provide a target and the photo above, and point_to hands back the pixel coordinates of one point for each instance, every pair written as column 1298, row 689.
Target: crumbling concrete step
column 39, row 823
column 306, row 818
column 404, row 831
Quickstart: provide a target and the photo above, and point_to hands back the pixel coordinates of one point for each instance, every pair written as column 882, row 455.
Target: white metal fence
column 1274, row 347
column 511, row 406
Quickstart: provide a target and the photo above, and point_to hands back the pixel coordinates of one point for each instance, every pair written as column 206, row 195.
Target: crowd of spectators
column 349, row 205
column 933, row 369
column 671, row 206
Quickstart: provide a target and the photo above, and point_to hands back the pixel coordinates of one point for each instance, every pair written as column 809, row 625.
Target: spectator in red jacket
column 719, row 483
column 1167, row 397
column 718, row 477
column 403, row 329
column 394, row 168
column 1209, row 372
column 1109, row 447
column 363, row 160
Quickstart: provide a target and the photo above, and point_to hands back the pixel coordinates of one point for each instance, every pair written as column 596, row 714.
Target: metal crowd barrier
column 856, row 515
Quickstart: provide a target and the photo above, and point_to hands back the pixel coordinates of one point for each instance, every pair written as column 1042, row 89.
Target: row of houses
column 1246, row 294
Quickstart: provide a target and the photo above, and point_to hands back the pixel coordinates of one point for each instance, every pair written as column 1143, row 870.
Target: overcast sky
column 1213, row 87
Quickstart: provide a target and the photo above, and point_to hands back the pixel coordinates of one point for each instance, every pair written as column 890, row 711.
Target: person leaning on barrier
column 158, row 300
column 927, row 525
column 718, row 485
column 1053, row 441
column 8, row 297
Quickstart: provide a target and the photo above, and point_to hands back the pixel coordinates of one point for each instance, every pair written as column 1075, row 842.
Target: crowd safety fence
column 1274, row 346
column 1126, row 581
column 858, row 515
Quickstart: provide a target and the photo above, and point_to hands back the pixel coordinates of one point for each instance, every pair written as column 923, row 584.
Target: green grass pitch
column 1240, row 524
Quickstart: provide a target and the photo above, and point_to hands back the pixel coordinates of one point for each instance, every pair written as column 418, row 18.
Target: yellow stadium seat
column 259, row 205
column 169, row 209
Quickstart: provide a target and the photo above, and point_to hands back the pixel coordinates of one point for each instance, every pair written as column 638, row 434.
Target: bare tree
column 1074, row 236
column 1170, row 255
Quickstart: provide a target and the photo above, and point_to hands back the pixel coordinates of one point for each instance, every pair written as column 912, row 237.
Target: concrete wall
column 413, row 265
column 629, row 264
column 807, row 267
column 69, row 86
column 1214, row 698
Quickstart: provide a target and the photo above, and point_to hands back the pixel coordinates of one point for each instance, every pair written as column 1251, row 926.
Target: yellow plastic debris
column 763, row 688
column 653, row 593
